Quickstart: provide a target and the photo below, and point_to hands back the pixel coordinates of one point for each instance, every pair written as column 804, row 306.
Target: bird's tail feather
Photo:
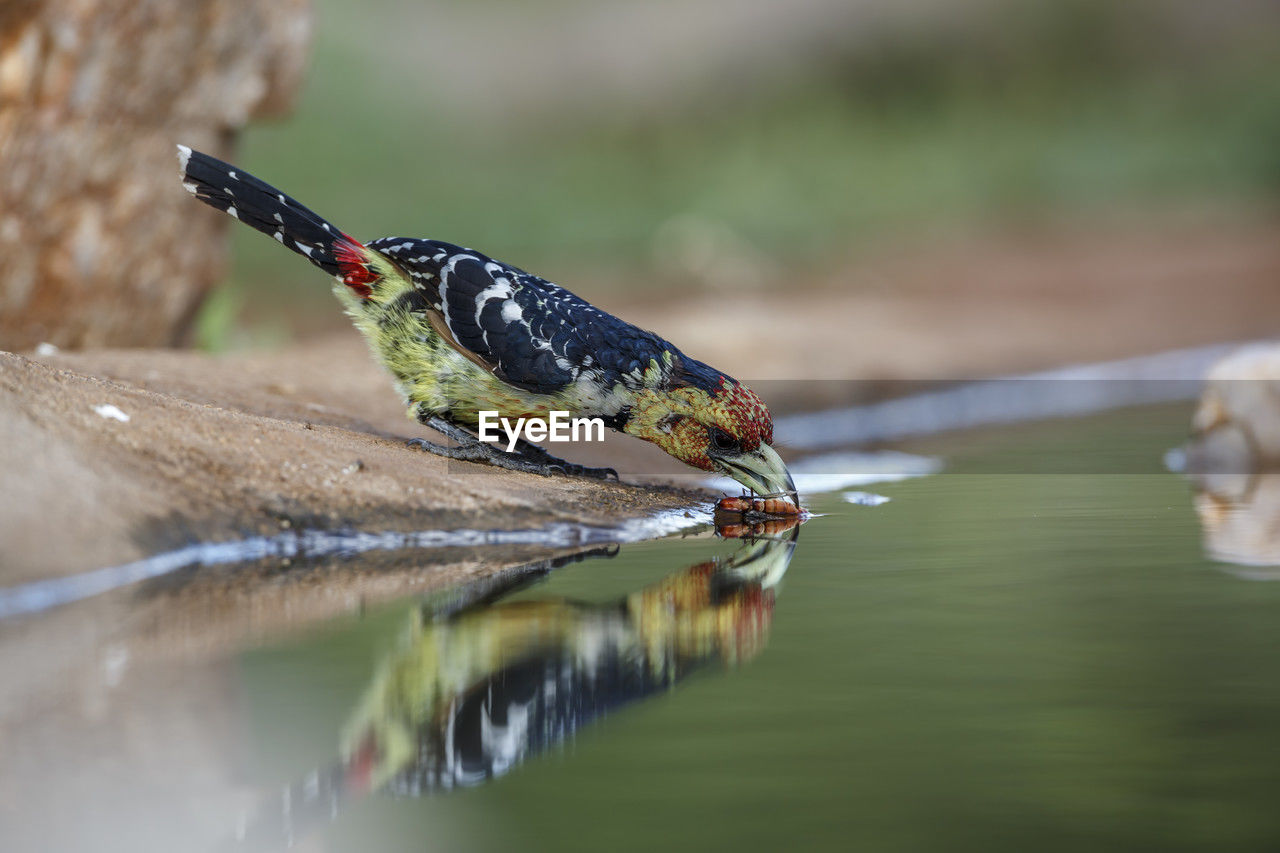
column 262, row 206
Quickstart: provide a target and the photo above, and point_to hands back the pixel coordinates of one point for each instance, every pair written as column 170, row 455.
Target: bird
column 462, row 333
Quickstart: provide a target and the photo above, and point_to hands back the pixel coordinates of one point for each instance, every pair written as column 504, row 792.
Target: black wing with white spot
column 535, row 335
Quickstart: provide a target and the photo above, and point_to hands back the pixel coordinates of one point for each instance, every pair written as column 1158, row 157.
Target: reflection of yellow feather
column 666, row 630
column 676, row 620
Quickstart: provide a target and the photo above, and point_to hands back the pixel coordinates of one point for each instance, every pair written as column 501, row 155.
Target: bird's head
column 725, row 428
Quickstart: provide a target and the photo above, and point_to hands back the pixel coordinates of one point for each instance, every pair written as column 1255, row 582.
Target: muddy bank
column 217, row 448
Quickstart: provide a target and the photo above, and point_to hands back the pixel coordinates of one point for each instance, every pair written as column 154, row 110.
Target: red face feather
column 748, row 418
column 678, row 420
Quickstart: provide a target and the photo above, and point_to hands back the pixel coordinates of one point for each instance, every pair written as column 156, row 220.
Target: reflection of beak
column 764, row 561
column 761, row 471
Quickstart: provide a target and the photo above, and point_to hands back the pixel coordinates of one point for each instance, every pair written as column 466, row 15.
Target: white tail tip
column 184, row 155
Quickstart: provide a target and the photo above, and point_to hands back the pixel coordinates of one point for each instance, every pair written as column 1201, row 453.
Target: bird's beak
column 762, row 471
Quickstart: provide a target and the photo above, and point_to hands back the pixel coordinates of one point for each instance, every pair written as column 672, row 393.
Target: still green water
column 991, row 660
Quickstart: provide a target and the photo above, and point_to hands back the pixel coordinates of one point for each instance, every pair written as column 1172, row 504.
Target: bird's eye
column 721, row 440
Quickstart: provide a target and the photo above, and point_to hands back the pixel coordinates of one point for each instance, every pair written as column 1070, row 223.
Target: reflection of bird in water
column 467, row 697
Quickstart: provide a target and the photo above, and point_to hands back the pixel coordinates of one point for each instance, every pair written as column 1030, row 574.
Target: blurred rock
column 1237, row 424
column 1234, row 461
column 100, row 243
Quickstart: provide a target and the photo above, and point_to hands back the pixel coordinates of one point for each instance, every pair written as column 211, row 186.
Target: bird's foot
column 573, row 469
column 536, row 454
column 480, row 452
column 531, row 459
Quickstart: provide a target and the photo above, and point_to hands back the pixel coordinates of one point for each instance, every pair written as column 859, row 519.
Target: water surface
column 992, row 659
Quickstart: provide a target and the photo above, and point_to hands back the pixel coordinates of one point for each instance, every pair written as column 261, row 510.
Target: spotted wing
column 531, row 333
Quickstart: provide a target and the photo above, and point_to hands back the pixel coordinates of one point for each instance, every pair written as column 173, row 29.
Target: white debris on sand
column 107, row 410
column 45, row 348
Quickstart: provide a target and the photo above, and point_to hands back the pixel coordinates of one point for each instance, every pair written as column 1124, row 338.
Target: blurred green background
column 645, row 147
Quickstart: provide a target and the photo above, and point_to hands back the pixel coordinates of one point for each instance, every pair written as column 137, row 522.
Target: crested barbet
column 463, row 333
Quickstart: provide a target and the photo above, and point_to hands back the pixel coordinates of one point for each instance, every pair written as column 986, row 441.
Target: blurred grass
column 1064, row 116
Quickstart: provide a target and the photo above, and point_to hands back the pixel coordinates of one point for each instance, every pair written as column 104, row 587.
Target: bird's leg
column 531, row 459
column 471, row 449
column 535, row 453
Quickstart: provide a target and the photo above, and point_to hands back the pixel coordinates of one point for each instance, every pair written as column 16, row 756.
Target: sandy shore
column 217, row 448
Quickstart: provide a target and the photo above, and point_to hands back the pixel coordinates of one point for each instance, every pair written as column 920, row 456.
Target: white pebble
column 107, row 410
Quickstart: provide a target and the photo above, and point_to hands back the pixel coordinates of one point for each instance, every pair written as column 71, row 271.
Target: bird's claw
column 545, row 464
column 573, row 469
